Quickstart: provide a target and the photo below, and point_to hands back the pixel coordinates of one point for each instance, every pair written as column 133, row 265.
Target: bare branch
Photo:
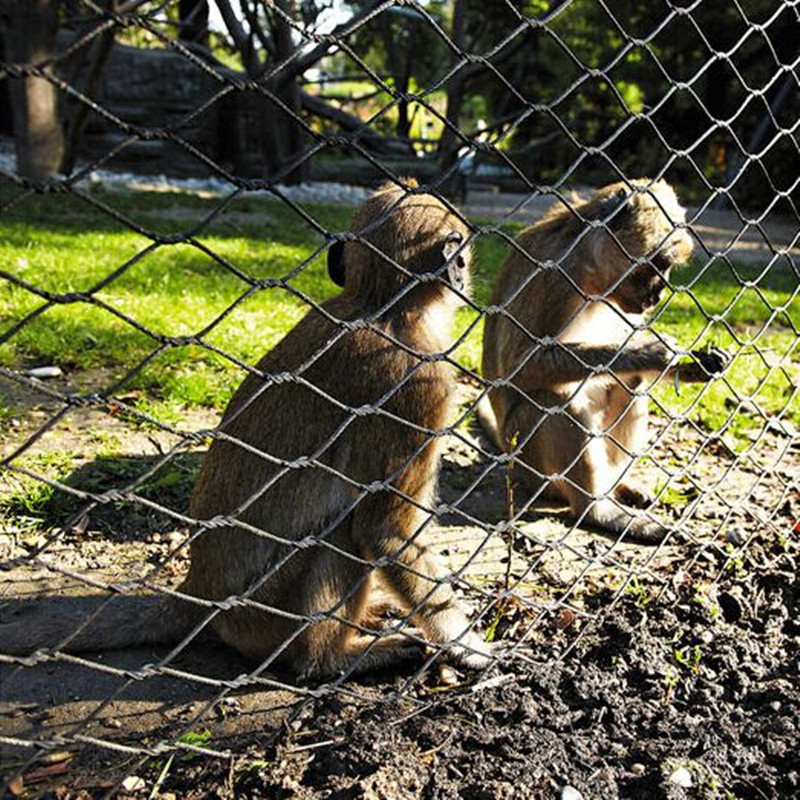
column 299, row 65
column 349, row 122
column 239, row 35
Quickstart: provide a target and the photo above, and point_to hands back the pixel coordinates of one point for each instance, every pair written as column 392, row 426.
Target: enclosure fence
column 721, row 460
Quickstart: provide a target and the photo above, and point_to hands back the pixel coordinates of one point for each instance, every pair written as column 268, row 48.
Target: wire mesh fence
column 541, row 443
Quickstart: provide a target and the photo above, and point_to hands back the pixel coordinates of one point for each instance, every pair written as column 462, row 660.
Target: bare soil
column 624, row 671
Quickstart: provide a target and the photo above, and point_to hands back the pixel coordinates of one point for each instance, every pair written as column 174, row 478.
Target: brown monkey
column 569, row 342
column 322, row 468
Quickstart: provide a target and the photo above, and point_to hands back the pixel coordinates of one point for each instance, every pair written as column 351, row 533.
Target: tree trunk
column 87, row 77
column 450, row 144
column 193, row 18
column 282, row 133
column 29, row 31
column 401, row 73
column 402, row 82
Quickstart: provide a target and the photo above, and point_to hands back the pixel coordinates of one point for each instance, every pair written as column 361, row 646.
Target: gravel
column 311, row 191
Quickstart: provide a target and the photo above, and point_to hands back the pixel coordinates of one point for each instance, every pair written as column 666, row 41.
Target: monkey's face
column 454, row 272
column 640, row 225
column 641, row 290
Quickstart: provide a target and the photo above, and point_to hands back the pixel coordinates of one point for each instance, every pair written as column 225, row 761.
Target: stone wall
column 157, row 89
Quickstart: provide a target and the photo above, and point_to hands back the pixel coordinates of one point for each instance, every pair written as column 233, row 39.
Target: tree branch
column 239, row 36
column 349, row 122
column 300, row 65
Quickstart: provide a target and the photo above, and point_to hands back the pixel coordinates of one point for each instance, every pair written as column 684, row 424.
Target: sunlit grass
column 63, row 245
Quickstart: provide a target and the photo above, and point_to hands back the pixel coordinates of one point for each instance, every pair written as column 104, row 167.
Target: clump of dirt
column 672, row 700
column 693, row 694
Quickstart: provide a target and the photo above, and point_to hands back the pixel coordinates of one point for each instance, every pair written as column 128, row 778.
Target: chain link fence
column 133, row 306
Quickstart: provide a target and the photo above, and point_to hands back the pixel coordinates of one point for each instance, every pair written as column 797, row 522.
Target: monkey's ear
column 336, row 263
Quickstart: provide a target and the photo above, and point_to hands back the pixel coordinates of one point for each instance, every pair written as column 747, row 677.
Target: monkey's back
column 261, row 469
column 534, row 291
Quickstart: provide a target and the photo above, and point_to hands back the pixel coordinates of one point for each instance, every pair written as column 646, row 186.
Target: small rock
column 447, row 677
column 44, row 372
column 133, row 784
column 706, row 637
column 637, row 769
column 735, row 537
column 112, row 722
column 175, row 538
column 681, row 777
column 570, row 793
column 565, row 618
column 782, row 427
column 33, row 542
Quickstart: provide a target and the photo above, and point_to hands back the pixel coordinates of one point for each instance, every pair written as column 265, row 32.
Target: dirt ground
column 623, row 671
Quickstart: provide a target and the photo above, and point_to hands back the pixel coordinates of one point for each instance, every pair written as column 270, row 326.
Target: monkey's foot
column 364, row 654
column 381, row 615
column 646, row 532
column 637, row 527
column 473, row 652
column 632, row 496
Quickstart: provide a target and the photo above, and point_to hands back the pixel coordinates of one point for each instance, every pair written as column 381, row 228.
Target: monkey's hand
column 707, row 364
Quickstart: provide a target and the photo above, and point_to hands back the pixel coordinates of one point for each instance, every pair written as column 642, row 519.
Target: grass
column 62, row 244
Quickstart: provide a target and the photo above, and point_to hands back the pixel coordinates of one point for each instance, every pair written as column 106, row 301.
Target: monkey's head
column 640, row 242
column 402, row 239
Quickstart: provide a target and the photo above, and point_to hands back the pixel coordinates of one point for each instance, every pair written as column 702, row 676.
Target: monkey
column 567, row 357
column 314, row 490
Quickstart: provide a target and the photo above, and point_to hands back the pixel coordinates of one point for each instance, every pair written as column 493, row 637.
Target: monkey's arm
column 391, row 526
column 418, row 576
column 553, row 362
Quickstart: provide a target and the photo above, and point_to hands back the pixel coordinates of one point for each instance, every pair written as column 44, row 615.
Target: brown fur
column 575, row 309
column 259, row 496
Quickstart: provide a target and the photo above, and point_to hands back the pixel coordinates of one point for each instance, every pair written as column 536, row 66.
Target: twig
column 163, row 774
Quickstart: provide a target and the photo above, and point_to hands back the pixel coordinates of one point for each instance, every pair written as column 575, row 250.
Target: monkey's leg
column 591, row 476
column 529, row 467
column 420, row 578
column 626, row 423
column 336, row 591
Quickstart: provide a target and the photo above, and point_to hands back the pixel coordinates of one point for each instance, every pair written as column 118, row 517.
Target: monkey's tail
column 488, row 421
column 94, row 622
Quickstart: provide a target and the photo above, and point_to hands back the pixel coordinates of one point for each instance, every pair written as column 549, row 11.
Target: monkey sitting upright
column 569, row 342
column 322, row 468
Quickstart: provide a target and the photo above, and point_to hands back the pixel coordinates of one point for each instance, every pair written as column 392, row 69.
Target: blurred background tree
column 548, row 90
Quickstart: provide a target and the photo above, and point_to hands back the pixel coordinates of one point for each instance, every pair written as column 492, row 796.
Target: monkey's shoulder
column 320, row 366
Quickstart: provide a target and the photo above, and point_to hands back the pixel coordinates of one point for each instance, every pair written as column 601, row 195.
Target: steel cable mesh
column 527, row 553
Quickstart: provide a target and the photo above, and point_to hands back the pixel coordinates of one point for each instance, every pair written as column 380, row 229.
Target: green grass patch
column 754, row 317
column 31, row 504
column 64, row 245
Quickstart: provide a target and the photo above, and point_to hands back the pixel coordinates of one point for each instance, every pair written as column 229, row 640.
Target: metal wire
column 529, row 552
